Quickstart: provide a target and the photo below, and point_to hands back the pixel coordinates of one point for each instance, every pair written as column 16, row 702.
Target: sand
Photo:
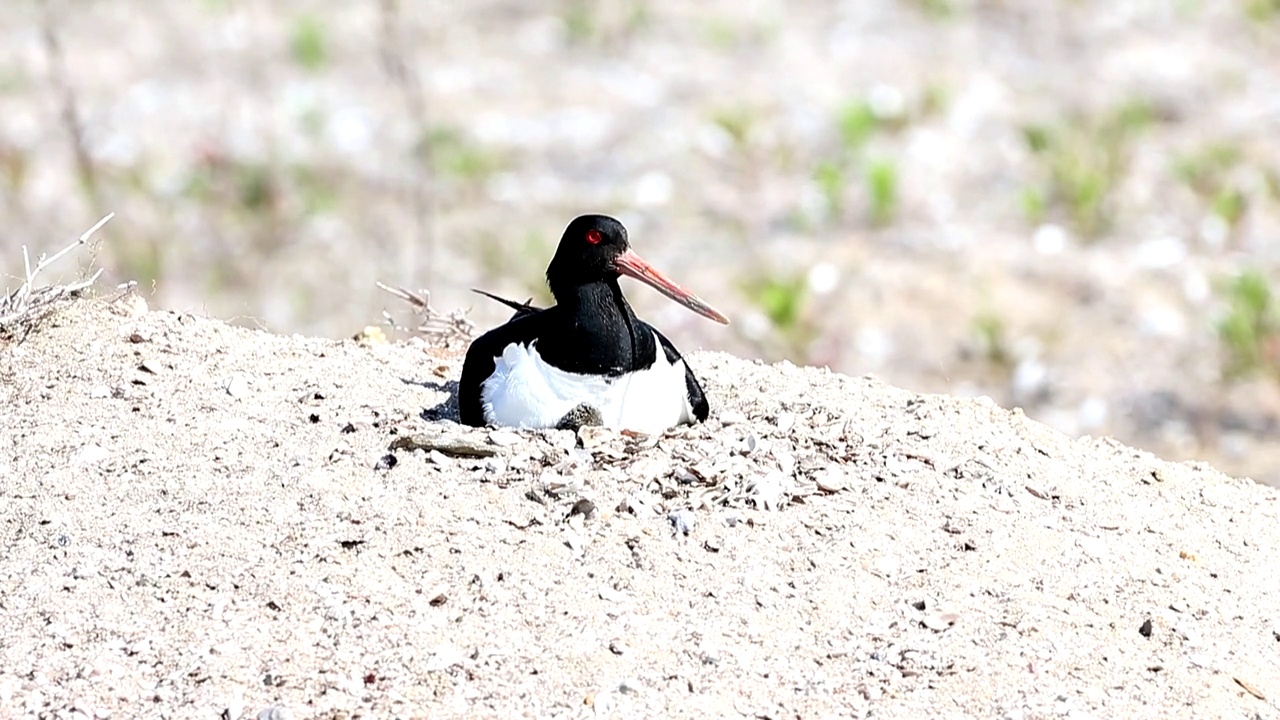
column 208, row 521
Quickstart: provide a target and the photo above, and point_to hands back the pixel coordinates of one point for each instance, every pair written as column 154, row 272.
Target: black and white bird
column 588, row 356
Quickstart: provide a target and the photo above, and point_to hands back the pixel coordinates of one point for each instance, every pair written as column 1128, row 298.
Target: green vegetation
column 993, row 339
column 856, row 124
column 308, row 44
column 450, row 154
column 1208, row 173
column 249, row 187
column 14, row 168
column 585, row 21
column 315, row 189
column 1080, row 162
column 1250, row 329
column 937, row 9
column 831, row 181
column 782, row 299
column 579, row 18
column 1262, row 10
column 737, row 122
column 882, row 191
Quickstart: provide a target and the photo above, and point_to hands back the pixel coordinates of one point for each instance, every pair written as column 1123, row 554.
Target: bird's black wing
column 522, row 309
column 479, row 363
column 697, row 398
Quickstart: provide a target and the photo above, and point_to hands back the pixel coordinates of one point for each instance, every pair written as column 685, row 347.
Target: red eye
column 594, row 237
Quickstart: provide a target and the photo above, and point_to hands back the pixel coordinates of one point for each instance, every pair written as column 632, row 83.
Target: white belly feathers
column 524, row 391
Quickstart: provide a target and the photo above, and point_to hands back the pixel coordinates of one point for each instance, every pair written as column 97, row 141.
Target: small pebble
column 504, row 438
column 682, row 521
column 940, row 621
column 831, row 480
column 594, row 435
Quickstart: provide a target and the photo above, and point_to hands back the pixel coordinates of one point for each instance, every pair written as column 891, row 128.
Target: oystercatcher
column 588, row 359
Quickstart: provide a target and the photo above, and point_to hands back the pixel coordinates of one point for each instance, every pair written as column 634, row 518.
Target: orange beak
column 632, row 265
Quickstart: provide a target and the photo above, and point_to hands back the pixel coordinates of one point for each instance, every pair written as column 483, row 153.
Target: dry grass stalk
column 23, row 309
column 440, row 327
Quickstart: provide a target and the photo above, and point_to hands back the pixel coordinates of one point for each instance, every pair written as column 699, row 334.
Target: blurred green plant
column 1082, row 160
column 1262, row 10
column 937, row 9
column 451, row 154
column 315, row 189
column 1208, row 174
column 308, row 43
column 1204, row 170
column 256, row 185
column 831, row 181
column 15, row 164
column 579, row 19
column 856, row 123
column 587, row 21
column 1033, row 205
column 243, row 185
column 738, row 123
column 1249, row 331
column 781, row 298
column 1230, row 205
column 992, row 338
column 934, row 100
column 720, row 34
column 882, row 190
column 1271, row 178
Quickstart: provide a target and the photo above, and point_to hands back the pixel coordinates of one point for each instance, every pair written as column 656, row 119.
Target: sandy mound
column 201, row 519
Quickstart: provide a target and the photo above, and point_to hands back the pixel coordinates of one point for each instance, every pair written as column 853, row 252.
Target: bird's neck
column 604, row 332
column 598, row 306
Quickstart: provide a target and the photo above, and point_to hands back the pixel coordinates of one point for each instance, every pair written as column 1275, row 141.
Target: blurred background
column 1072, row 206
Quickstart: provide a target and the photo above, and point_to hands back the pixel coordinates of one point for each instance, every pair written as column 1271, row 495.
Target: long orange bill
column 632, row 265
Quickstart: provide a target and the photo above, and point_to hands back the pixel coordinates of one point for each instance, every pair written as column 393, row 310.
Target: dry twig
column 23, row 308
column 445, row 328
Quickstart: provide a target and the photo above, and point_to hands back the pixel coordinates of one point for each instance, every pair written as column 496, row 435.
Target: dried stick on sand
column 433, row 324
column 23, row 308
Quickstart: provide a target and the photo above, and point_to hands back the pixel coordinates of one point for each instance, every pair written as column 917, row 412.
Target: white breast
column 524, row 391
